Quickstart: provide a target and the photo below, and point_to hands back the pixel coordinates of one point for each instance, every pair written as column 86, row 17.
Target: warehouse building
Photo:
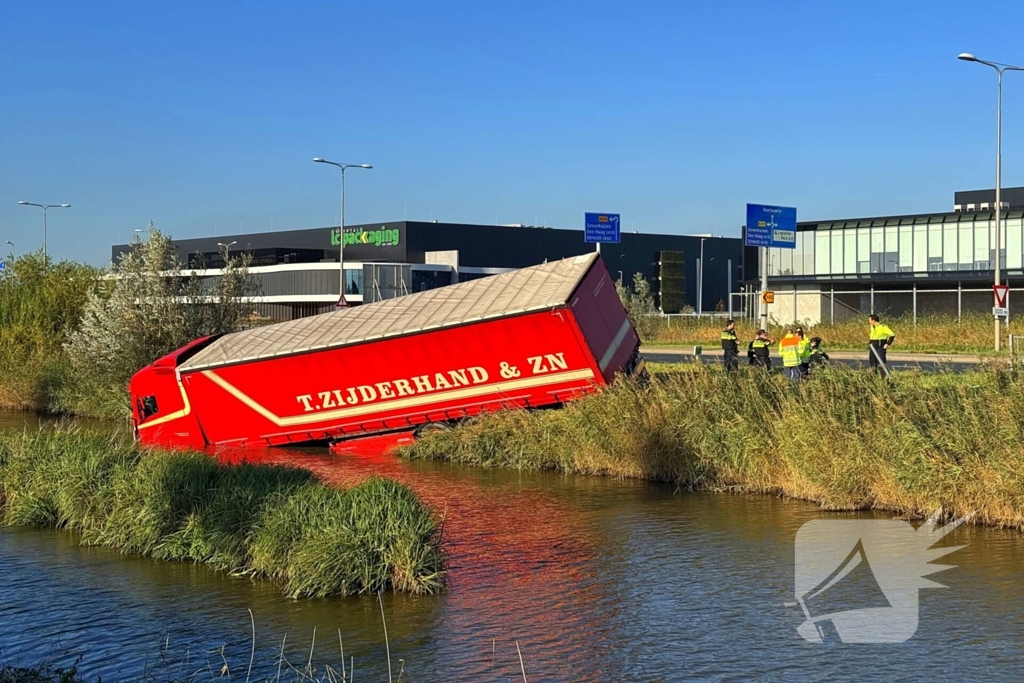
column 299, row 272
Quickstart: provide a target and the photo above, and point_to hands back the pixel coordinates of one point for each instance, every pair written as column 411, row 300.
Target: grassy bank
column 932, row 334
column 844, row 439
column 261, row 521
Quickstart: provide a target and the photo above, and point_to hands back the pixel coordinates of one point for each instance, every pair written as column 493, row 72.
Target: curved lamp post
column 1000, row 68
column 341, row 228
column 44, row 207
column 227, row 250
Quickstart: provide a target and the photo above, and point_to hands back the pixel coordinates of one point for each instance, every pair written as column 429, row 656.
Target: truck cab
column 161, row 412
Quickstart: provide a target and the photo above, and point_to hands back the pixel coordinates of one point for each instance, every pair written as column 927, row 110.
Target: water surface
column 596, row 579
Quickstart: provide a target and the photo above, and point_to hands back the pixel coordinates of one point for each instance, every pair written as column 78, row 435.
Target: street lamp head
column 365, row 165
column 65, row 206
column 318, row 160
column 967, row 57
column 23, row 202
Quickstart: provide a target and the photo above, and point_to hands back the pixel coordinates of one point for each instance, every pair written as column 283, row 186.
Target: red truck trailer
column 530, row 338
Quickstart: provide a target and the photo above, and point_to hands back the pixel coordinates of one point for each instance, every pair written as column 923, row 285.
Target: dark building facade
column 985, row 200
column 471, row 251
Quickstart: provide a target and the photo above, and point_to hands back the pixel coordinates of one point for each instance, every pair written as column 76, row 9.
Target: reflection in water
column 595, row 578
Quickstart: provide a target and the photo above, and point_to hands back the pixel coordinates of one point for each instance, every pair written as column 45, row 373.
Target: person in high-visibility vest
column 730, row 346
column 818, row 355
column 789, row 349
column 804, row 351
column 880, row 340
column 759, row 351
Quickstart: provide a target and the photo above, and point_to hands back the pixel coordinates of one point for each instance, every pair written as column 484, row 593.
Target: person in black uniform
column 730, row 345
column 759, row 349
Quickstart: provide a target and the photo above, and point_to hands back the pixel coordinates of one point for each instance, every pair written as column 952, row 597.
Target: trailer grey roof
column 530, row 289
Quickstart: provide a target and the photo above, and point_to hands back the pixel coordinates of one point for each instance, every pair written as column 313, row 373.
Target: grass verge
column 843, row 439
column 972, row 334
column 262, row 521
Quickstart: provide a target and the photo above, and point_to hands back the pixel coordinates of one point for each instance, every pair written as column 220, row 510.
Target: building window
column 950, row 255
column 423, row 280
column 920, row 249
column 1012, row 228
column 980, row 244
column 837, row 251
column 849, row 251
column 353, row 281
column 863, row 248
column 822, row 252
column 906, row 249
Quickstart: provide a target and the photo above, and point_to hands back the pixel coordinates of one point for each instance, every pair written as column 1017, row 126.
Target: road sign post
column 601, row 227
column 1001, row 308
column 769, row 226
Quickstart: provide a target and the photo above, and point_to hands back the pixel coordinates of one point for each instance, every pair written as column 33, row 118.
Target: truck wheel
column 432, row 427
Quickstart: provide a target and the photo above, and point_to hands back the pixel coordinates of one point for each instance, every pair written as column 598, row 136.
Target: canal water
column 590, row 579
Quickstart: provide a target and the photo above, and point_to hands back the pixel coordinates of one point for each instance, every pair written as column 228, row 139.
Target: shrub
column 262, row 521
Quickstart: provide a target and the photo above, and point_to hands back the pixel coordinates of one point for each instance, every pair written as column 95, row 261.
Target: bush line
column 272, row 522
column 843, row 439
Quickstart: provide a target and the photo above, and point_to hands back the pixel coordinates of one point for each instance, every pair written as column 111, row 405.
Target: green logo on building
column 383, row 237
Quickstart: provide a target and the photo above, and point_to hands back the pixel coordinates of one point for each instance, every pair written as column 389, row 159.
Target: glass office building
column 937, row 263
column 930, row 244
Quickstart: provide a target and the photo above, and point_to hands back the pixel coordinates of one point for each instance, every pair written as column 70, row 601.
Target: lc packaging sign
column 381, row 237
column 771, row 226
column 601, row 227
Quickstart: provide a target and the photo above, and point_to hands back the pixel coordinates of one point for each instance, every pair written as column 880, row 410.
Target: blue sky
column 205, row 116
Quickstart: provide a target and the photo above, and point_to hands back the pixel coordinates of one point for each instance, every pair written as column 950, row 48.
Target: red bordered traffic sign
column 1000, row 292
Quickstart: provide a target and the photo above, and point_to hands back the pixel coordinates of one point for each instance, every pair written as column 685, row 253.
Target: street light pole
column 44, row 207
column 227, row 250
column 341, row 227
column 700, row 282
column 1000, row 68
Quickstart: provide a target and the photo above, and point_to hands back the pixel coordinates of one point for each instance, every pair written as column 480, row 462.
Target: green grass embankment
column 843, row 439
column 262, row 521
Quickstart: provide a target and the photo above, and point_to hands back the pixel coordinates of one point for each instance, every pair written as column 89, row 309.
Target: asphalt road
column 923, row 364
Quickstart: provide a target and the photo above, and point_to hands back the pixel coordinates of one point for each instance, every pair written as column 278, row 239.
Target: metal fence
column 837, row 305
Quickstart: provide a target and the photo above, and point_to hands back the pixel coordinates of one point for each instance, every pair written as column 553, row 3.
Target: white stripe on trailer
column 614, row 347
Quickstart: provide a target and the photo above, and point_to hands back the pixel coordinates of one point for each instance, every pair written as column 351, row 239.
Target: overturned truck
column 530, row 338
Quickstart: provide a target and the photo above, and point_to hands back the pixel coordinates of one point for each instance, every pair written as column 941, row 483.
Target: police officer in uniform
column 759, row 351
column 730, row 346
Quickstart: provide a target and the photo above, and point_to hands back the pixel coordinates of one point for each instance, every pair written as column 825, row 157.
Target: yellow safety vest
column 803, row 350
column 789, row 349
column 881, row 332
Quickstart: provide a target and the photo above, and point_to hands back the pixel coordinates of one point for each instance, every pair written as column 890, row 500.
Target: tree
column 147, row 307
column 639, row 305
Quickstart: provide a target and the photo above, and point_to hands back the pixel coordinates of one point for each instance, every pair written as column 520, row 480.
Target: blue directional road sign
column 601, row 227
column 771, row 226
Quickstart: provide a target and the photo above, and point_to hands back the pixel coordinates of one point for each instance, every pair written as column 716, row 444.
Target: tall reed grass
column 930, row 334
column 261, row 521
column 844, row 439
